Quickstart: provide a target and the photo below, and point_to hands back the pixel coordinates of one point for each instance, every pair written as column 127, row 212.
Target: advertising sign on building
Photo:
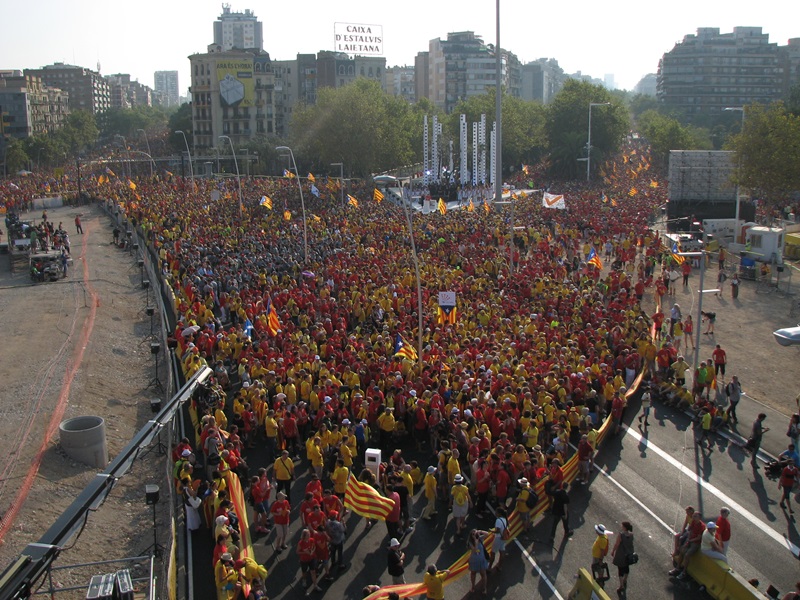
column 357, row 38
column 235, row 82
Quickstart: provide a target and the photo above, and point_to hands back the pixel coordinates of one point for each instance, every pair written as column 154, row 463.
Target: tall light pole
column 146, row 141
column 702, row 256
column 152, row 162
column 186, row 142
column 738, row 196
column 302, row 201
column 498, row 136
column 589, row 140
column 238, row 178
column 127, row 151
column 341, row 179
column 407, row 211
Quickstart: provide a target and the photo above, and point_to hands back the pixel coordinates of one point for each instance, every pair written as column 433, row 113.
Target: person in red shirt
column 307, row 552
column 314, row 487
column 617, row 407
column 585, row 453
column 322, row 551
column 720, row 359
column 788, row 478
column 483, row 485
column 723, row 534
column 316, row 518
column 556, row 480
column 307, row 507
column 281, row 511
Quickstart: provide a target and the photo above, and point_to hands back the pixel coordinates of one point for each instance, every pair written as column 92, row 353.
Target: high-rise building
column 232, row 94
column 710, row 71
column 87, row 89
column 542, row 79
column 30, row 107
column 238, row 30
column 166, row 83
column 126, row 93
column 422, row 88
column 462, row 66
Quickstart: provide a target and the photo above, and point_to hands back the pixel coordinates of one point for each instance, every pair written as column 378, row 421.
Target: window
column 755, row 240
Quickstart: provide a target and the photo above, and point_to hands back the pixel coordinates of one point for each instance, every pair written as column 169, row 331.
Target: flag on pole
column 311, row 177
column 594, row 259
column 248, row 329
column 315, row 190
column 102, row 179
column 486, row 207
column 653, row 183
column 675, row 254
column 365, row 500
column 266, row 202
column 633, row 191
column 288, row 174
column 273, row 323
column 404, row 349
column 332, row 185
column 470, row 206
column 613, row 202
column 110, row 172
column 352, row 201
column 604, row 198
column 131, row 184
column 441, row 206
column 554, row 201
column 287, row 215
column 378, row 196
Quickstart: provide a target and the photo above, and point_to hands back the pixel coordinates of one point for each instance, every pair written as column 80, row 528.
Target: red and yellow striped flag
column 273, row 323
column 470, row 206
column 365, row 500
column 442, row 206
column 377, row 195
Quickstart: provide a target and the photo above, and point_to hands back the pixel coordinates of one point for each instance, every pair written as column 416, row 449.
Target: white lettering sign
column 447, row 298
column 357, row 38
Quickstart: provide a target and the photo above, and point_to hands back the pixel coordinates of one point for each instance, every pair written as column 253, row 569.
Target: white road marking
column 727, row 500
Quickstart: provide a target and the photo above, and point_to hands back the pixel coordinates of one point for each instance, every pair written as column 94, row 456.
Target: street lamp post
column 702, row 256
column 341, row 179
column 186, row 142
column 589, row 140
column 152, row 162
column 127, row 151
column 738, row 196
column 146, row 141
column 302, row 201
column 238, row 178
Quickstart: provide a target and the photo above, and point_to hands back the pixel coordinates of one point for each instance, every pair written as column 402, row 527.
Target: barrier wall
column 586, row 588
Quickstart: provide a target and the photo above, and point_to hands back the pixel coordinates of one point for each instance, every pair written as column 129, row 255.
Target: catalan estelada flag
column 288, row 174
column 377, row 195
column 442, row 206
column 594, row 259
column 110, row 172
column 446, row 315
column 311, row 177
column 365, row 500
column 404, row 349
column 273, row 323
column 266, row 202
column 679, row 260
column 131, row 184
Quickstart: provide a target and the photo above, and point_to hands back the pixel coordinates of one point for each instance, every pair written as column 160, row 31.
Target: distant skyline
column 625, row 39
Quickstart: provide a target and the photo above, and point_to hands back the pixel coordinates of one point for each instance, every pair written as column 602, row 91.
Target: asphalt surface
column 646, row 477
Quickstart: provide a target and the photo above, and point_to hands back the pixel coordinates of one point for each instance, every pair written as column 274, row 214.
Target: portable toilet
column 792, row 245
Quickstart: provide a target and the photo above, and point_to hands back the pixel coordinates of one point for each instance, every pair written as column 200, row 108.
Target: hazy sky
column 624, row 38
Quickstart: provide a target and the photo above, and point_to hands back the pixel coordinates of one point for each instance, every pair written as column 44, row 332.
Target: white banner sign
column 357, row 38
column 554, row 201
column 447, row 298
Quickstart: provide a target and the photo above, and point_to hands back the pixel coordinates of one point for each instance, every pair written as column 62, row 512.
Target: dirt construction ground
column 70, row 348
column 75, row 347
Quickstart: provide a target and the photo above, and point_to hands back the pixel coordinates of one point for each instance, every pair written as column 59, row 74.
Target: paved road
column 646, row 478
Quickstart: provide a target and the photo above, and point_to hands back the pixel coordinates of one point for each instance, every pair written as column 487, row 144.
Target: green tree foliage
column 79, row 132
column 16, row 157
column 568, row 121
column 127, row 122
column 665, row 134
column 641, row 103
column 180, row 120
column 359, row 125
column 768, row 152
column 46, row 150
column 523, row 125
column 793, row 101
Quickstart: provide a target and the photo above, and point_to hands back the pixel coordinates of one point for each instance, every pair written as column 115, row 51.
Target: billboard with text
column 358, row 39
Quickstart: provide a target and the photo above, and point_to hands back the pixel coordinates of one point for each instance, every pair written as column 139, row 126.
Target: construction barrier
column 586, row 588
column 720, row 581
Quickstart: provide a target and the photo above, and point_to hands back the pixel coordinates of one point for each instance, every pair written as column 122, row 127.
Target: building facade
column 87, row 89
column 709, row 71
column 167, row 87
column 126, row 93
column 401, row 81
column 542, row 79
column 232, row 94
column 238, row 30
column 463, row 66
column 29, row 107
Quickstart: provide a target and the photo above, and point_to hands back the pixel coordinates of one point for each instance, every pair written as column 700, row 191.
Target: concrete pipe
column 84, row 439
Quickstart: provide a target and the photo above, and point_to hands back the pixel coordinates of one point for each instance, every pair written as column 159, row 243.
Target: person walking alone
column 734, row 392
column 621, row 555
column 560, row 511
column 756, row 436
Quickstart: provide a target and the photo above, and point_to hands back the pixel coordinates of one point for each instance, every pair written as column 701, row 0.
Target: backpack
column 532, row 500
column 506, row 535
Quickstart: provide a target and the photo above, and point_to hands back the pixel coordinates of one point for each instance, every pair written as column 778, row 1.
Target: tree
column 665, row 134
column 359, row 125
column 127, row 122
column 79, row 132
column 16, row 157
column 181, row 120
column 568, row 121
column 641, row 103
column 768, row 152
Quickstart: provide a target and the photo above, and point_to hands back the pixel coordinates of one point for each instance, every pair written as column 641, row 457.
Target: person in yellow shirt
column 453, row 467
column 314, row 451
column 600, row 546
column 434, row 580
column 429, row 484
column 339, row 478
column 522, row 503
column 386, row 424
column 346, row 451
column 271, row 429
column 283, row 470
